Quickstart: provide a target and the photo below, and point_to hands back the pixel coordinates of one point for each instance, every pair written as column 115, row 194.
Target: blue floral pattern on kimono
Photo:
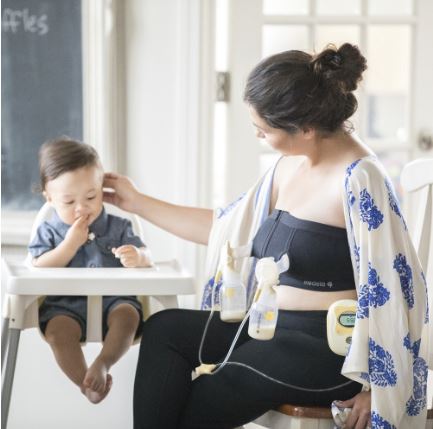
column 389, row 280
column 418, row 400
column 379, row 422
column 389, row 346
column 373, row 294
column 369, row 211
column 406, row 282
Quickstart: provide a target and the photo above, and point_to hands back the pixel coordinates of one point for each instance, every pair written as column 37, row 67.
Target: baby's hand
column 128, row 254
column 78, row 233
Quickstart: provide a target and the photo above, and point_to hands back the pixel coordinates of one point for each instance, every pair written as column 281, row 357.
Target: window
column 383, row 31
column 61, row 74
column 393, row 99
column 42, row 89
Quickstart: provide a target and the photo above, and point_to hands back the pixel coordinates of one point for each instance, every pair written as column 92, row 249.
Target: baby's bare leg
column 122, row 323
column 63, row 334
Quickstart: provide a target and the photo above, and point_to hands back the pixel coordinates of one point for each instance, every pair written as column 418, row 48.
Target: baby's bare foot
column 96, row 376
column 96, row 397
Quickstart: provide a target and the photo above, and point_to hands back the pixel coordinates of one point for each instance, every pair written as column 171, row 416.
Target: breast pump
column 233, row 300
column 263, row 312
column 232, row 294
column 263, row 315
column 264, row 309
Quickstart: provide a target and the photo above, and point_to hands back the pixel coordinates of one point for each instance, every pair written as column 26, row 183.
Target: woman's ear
column 309, row 133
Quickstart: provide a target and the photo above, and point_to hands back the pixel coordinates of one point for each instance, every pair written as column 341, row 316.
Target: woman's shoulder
column 367, row 167
column 286, row 166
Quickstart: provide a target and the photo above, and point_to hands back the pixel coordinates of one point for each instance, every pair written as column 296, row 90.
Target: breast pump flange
column 232, row 293
column 263, row 313
column 264, row 309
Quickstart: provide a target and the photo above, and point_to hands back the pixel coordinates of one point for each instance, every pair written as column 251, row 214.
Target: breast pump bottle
column 233, row 299
column 264, row 310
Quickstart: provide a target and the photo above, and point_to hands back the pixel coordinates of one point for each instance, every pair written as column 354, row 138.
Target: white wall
column 154, row 142
column 162, row 113
column 156, row 74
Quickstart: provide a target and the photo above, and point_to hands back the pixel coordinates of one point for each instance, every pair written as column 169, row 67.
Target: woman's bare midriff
column 291, row 298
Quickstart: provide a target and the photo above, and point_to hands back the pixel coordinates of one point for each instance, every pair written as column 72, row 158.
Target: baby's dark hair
column 64, row 154
column 294, row 90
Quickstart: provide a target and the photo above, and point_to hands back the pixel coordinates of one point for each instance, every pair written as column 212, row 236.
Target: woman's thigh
column 237, row 394
column 168, row 353
column 182, row 331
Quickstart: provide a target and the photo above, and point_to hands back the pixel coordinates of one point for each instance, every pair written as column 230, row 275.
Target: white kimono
column 390, row 339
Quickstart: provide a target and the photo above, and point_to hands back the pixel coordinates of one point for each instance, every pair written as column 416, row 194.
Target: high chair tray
column 165, row 278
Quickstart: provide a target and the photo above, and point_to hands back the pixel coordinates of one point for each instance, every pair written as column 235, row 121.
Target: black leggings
column 166, row 397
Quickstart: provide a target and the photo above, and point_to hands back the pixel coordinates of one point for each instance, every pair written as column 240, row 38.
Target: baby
column 82, row 234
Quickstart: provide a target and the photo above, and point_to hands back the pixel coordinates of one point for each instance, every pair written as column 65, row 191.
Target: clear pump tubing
column 219, row 366
column 326, row 389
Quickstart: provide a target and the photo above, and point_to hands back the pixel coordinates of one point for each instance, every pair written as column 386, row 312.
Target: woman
column 322, row 198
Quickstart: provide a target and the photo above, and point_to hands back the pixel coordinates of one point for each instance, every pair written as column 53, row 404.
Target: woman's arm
column 190, row 223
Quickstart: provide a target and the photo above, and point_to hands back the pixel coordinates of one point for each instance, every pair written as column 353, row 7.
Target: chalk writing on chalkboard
column 41, row 87
column 23, row 20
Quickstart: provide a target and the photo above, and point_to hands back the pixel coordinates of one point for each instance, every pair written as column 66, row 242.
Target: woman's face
column 278, row 139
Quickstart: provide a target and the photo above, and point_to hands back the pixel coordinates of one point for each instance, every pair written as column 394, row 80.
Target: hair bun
column 344, row 65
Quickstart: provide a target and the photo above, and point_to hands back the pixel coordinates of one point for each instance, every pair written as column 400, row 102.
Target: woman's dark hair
column 63, row 154
column 294, row 90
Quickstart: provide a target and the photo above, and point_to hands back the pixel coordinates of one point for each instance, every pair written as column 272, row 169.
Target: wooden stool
column 308, row 412
column 289, row 416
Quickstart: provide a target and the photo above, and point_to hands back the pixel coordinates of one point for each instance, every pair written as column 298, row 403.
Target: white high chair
column 26, row 286
column 417, row 176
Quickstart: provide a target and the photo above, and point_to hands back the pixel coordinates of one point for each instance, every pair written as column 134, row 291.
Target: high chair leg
column 167, row 301
column 5, row 339
column 8, row 375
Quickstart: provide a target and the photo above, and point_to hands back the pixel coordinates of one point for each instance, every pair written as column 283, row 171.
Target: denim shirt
column 109, row 231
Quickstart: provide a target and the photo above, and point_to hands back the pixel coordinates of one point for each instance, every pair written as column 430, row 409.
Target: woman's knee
column 163, row 326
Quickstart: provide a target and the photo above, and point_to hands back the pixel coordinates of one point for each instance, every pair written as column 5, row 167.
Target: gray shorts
column 76, row 307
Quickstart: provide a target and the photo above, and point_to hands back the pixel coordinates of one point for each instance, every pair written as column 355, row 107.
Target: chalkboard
column 42, row 89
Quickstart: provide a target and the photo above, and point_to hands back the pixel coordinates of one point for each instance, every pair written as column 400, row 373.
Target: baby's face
column 76, row 193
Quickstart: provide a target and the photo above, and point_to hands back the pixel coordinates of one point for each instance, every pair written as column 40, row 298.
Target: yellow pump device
column 340, row 322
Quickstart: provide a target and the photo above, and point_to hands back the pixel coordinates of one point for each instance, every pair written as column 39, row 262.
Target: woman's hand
column 190, row 223
column 124, row 193
column 359, row 417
